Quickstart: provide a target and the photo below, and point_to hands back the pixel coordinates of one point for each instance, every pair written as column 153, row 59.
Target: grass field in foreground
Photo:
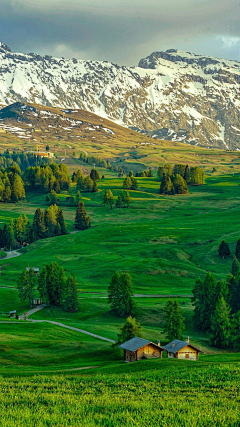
column 147, row 393
column 42, row 347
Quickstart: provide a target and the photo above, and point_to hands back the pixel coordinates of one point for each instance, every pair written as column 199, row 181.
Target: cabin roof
column 135, row 343
column 176, row 345
column 13, row 311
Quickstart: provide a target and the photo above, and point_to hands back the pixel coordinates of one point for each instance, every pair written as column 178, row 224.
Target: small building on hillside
column 13, row 313
column 182, row 350
column 35, row 269
column 138, row 348
column 37, row 301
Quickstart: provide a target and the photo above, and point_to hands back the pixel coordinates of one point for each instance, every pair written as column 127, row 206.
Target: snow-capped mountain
column 172, row 95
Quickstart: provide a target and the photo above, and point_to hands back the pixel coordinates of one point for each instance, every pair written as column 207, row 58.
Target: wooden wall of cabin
column 129, row 356
column 149, row 352
column 188, row 353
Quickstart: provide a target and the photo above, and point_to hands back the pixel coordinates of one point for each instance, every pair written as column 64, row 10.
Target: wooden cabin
column 182, row 350
column 12, row 313
column 37, row 301
column 138, row 348
column 35, row 269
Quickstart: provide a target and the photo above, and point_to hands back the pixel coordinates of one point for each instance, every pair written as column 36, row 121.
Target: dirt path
column 34, row 310
column 12, row 254
column 62, row 325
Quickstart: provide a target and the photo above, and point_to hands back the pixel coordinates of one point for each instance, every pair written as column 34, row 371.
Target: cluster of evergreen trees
column 224, row 250
column 217, row 307
column 193, row 175
column 11, row 184
column 45, row 224
column 88, row 183
column 146, row 173
column 53, row 287
column 173, row 184
column 47, row 178
column 23, row 160
column 130, row 183
column 91, row 160
column 123, row 200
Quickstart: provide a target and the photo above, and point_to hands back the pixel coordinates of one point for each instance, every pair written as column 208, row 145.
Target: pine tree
column 127, row 199
column 61, row 222
column 51, row 284
column 166, row 186
column 180, row 185
column 221, row 325
column 18, row 191
column 127, row 183
column 134, row 185
column 82, row 221
column 173, row 326
column 130, row 329
column 38, row 225
column 237, row 251
column 87, row 184
column 95, row 187
column 71, row 296
column 108, row 198
column 223, row 249
column 94, row 175
column 235, row 266
column 120, row 294
column 130, row 174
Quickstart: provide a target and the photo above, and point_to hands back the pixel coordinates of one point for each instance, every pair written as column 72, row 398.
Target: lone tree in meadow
column 120, row 294
column 130, row 329
column 174, row 322
column 82, row 221
column 223, row 249
column 71, row 296
column 108, row 199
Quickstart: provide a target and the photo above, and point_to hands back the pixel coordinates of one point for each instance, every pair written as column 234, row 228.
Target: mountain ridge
column 172, row 95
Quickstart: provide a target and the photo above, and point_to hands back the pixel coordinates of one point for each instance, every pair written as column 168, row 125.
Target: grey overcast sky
column 121, row 31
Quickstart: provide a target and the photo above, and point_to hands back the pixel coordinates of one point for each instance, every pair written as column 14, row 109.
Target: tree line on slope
column 45, row 224
column 217, row 307
column 23, row 160
column 11, row 185
column 53, row 287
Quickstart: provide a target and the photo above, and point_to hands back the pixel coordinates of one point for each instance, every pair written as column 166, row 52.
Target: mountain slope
column 171, row 95
column 70, row 132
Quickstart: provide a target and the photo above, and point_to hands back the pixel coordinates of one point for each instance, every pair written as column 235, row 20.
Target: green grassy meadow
column 52, row 376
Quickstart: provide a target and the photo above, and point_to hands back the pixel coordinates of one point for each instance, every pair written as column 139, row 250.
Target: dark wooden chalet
column 138, row 348
column 182, row 350
column 13, row 313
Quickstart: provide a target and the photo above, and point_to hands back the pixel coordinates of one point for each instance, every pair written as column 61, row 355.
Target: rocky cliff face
column 172, row 95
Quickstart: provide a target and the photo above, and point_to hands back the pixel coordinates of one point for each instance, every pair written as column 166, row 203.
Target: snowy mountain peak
column 171, row 95
column 4, row 47
column 182, row 58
